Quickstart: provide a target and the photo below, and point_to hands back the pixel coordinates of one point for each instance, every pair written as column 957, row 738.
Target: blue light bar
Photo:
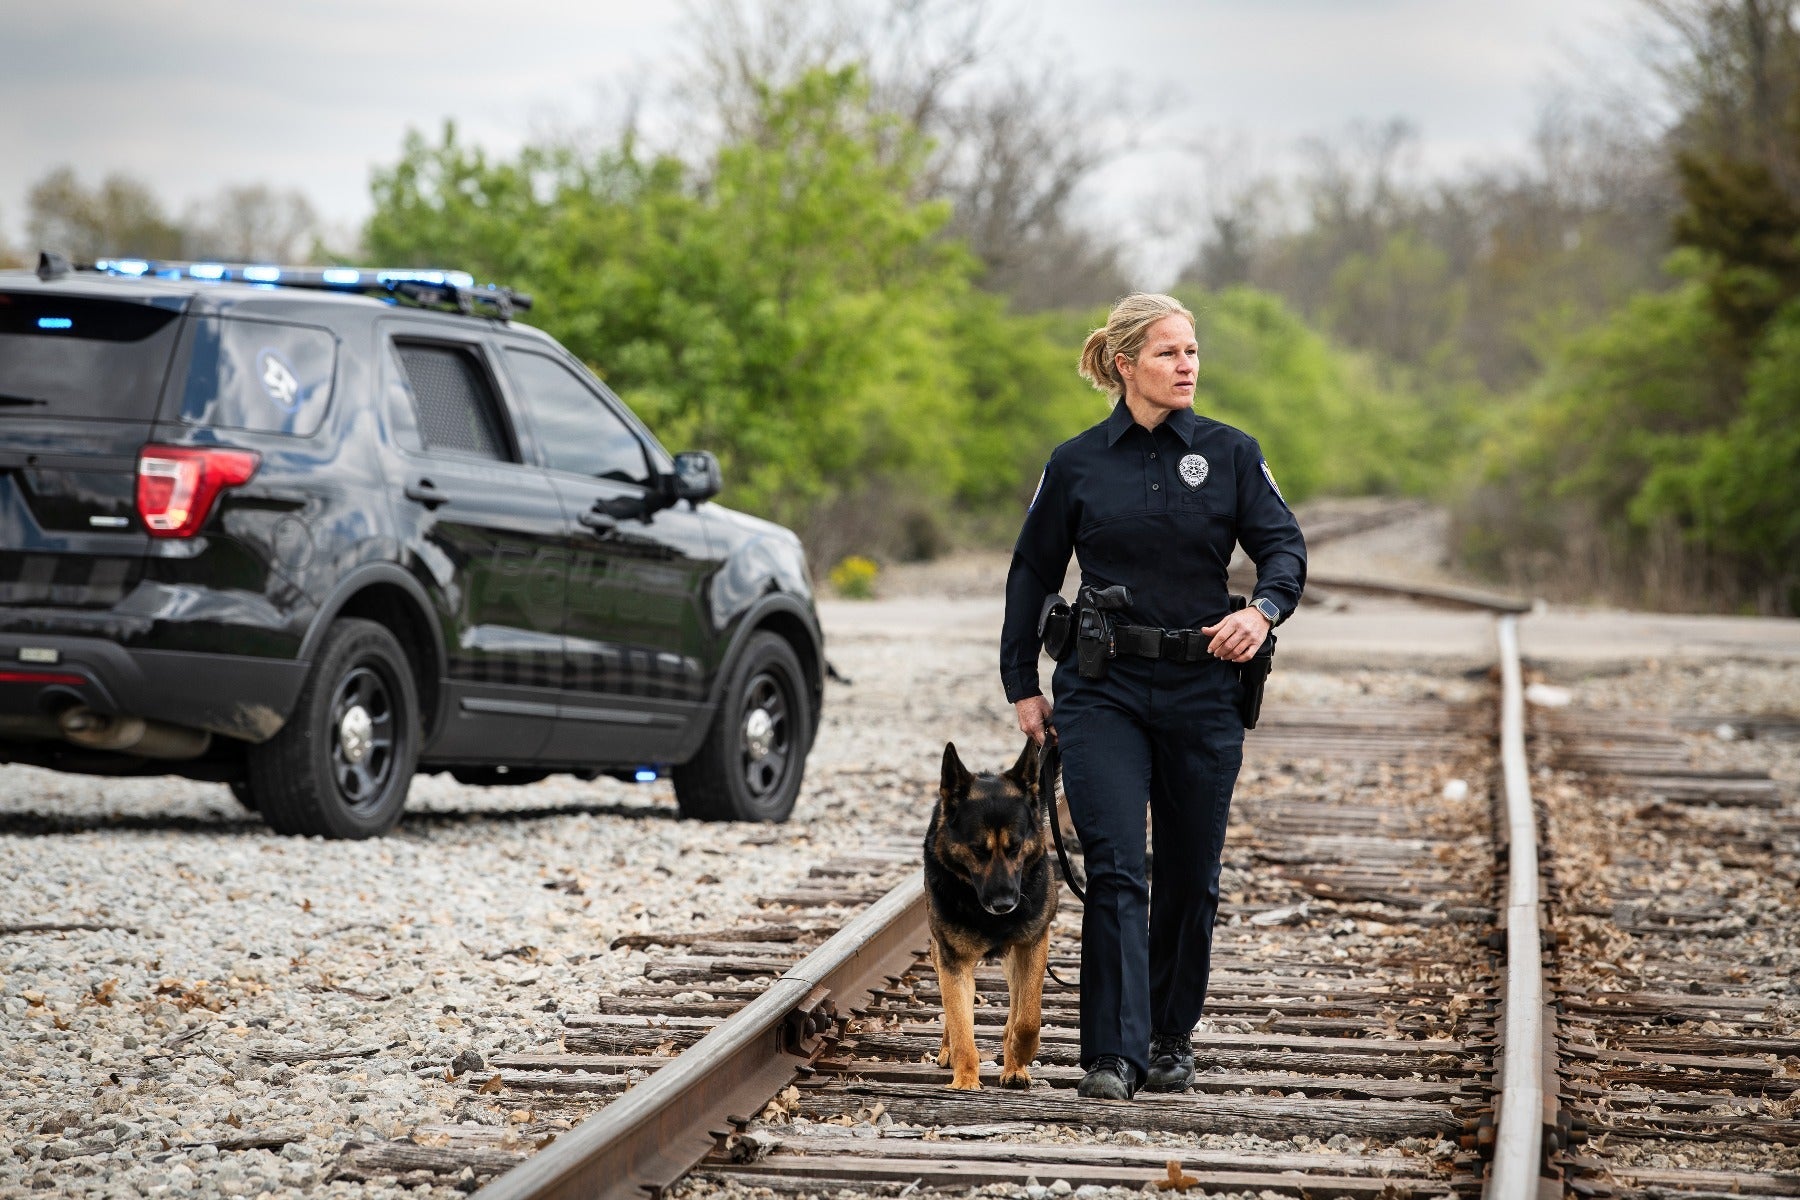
column 419, row 285
column 56, row 323
column 461, row 279
column 644, row 775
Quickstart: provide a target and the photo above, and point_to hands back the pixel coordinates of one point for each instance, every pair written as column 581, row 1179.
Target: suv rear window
column 454, row 402
column 80, row 357
column 266, row 376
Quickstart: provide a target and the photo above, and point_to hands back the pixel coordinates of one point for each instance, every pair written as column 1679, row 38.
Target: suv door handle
column 426, row 493
column 598, row 521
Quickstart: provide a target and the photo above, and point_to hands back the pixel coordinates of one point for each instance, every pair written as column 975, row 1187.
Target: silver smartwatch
column 1266, row 607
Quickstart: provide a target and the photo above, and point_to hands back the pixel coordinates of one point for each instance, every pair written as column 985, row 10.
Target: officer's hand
column 1238, row 637
column 1034, row 718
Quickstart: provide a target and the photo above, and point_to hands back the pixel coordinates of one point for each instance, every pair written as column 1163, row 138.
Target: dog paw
column 943, row 1058
column 1015, row 1079
column 971, row 1084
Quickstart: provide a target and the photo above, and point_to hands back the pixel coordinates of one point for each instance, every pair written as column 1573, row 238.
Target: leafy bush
column 1648, row 465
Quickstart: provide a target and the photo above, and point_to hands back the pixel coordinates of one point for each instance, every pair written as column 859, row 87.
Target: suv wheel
column 749, row 767
column 341, row 766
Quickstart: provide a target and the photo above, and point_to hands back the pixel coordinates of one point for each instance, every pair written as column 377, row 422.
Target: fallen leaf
column 1177, row 1180
column 492, row 1086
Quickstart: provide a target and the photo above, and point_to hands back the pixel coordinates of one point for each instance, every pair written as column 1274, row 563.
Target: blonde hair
column 1126, row 328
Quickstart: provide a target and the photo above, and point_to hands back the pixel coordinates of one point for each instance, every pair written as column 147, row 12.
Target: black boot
column 1171, row 1062
column 1110, row 1078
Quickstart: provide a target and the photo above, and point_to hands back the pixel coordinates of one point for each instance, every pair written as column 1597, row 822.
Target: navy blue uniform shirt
column 1117, row 496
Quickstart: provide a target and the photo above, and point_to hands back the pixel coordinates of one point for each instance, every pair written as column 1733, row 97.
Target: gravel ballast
column 192, row 1004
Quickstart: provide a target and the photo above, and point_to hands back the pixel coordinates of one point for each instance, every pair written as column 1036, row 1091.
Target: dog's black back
column 987, row 873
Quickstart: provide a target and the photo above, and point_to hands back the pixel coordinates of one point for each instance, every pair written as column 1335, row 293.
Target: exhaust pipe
column 132, row 735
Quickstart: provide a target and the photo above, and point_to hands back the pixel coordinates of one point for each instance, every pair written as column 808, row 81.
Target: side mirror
column 697, row 476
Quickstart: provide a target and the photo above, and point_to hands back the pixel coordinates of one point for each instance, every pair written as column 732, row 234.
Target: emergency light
column 419, row 285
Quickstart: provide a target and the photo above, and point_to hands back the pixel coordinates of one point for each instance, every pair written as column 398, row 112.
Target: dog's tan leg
column 943, row 1058
column 1024, row 1016
column 957, row 985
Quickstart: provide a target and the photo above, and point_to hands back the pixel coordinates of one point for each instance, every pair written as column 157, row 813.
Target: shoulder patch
column 1273, row 486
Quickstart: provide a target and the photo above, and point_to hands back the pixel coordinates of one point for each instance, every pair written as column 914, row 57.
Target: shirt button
column 1153, row 454
column 1156, row 487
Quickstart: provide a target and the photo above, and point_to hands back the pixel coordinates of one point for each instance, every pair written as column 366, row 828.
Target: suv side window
column 457, row 410
column 579, row 433
column 265, row 376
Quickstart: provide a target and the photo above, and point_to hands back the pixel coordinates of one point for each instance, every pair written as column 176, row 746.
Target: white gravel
column 134, row 1049
column 142, row 1043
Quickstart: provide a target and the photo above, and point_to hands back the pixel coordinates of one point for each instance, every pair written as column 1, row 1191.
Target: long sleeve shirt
column 1158, row 510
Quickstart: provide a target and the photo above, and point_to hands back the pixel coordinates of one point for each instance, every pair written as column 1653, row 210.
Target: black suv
column 308, row 531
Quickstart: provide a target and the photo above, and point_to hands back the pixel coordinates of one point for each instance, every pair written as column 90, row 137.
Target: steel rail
column 1436, row 593
column 1527, row 1094
column 657, row 1131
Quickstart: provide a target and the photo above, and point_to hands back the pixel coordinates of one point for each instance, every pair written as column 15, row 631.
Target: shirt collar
column 1182, row 423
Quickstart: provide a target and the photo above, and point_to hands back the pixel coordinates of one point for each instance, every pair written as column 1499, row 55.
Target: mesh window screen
column 454, row 402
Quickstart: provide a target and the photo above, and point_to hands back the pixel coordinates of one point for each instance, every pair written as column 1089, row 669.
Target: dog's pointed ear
column 956, row 779
column 1024, row 772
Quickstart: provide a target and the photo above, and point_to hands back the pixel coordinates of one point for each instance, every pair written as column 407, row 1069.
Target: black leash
column 1049, row 764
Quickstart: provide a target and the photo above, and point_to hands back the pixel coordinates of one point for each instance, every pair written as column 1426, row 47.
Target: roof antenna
column 51, row 265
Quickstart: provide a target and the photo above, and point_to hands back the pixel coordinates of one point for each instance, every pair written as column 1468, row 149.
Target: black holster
column 1095, row 643
column 1056, row 627
column 1253, row 675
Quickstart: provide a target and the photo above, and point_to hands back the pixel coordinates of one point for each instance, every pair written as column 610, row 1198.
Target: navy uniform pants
column 1166, row 738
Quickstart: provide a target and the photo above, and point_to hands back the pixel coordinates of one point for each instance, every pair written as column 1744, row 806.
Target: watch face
column 1267, row 608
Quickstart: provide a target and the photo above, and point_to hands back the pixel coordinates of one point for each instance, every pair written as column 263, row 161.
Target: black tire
column 750, row 766
column 331, row 772
column 496, row 776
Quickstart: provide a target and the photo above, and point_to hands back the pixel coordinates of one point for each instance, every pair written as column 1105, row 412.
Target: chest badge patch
column 1193, row 470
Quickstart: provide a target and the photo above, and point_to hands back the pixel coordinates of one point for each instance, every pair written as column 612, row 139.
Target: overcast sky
column 192, row 95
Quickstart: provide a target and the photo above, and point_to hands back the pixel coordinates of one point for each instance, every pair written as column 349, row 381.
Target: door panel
column 636, row 637
column 492, row 532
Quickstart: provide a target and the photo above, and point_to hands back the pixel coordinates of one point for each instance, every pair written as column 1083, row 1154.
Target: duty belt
column 1175, row 645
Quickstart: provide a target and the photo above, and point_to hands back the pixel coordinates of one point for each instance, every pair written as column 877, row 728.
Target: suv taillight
column 176, row 485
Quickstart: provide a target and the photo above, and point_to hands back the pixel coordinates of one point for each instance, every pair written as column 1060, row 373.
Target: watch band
column 1267, row 608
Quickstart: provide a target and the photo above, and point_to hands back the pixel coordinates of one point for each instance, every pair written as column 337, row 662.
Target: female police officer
column 1153, row 497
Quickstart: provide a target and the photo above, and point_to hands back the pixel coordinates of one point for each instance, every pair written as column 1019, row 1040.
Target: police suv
column 308, row 531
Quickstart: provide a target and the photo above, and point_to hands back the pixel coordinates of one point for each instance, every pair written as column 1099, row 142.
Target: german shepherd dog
column 990, row 891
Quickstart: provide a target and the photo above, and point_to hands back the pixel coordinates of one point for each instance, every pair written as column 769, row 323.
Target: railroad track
column 1404, row 1002
column 1678, row 971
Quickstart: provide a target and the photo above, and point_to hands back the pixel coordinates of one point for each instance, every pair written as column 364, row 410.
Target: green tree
column 787, row 304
